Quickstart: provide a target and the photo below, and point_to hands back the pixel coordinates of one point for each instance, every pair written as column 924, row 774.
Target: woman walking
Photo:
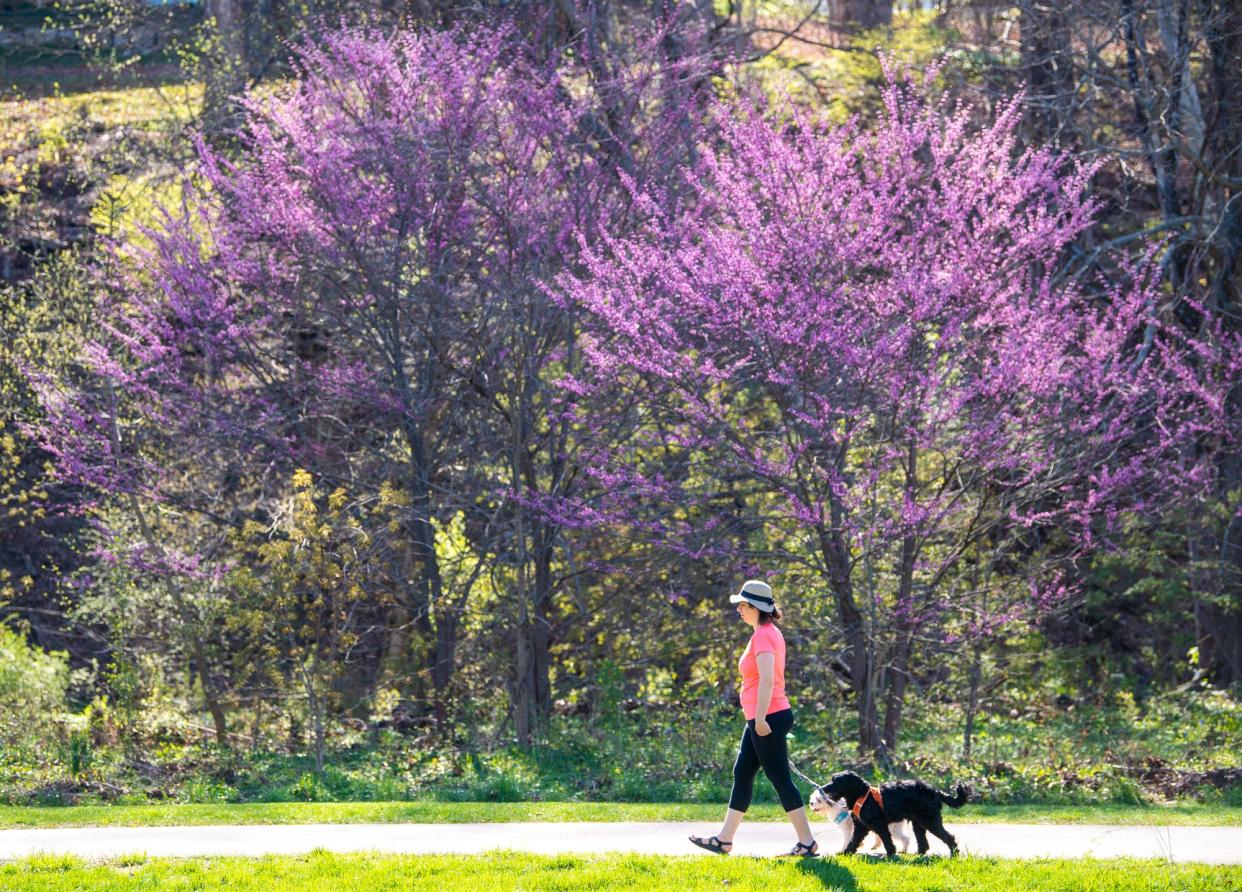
column 768, row 720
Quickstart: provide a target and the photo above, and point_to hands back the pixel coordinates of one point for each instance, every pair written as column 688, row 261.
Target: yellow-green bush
column 32, row 690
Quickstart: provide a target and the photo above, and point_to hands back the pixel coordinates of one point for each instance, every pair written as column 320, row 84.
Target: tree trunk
column 447, row 623
column 525, row 719
column 314, row 706
column 1222, row 28
column 1161, row 157
column 427, row 598
column 422, row 532
column 315, row 702
column 535, row 540
column 972, row 704
column 899, row 667
column 1221, row 620
column 543, row 602
column 525, row 688
column 1046, row 55
column 185, row 612
column 899, row 672
column 210, row 698
column 1221, row 635
column 857, row 641
column 532, row 695
column 227, row 65
column 870, row 741
column 860, row 15
column 395, row 658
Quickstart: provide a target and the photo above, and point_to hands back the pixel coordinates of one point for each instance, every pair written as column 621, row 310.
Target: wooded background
column 341, row 481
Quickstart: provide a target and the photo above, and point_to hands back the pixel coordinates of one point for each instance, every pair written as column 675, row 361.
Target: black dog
column 909, row 800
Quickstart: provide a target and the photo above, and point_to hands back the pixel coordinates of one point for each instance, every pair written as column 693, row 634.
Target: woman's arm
column 766, row 662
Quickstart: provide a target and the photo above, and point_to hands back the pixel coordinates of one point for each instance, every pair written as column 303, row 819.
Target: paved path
column 1213, row 845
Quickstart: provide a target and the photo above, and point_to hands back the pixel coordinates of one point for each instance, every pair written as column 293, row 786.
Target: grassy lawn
column 137, row 107
column 470, row 812
column 505, row 871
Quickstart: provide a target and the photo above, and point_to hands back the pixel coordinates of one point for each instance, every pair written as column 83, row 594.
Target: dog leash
column 840, row 818
column 803, row 776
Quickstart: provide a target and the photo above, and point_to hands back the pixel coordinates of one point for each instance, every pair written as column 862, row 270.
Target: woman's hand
column 762, row 728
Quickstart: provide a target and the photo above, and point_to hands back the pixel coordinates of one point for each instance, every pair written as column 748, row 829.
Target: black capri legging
column 772, row 754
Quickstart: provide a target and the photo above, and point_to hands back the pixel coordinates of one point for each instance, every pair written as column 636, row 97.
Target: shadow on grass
column 42, row 77
column 834, row 870
column 829, row 871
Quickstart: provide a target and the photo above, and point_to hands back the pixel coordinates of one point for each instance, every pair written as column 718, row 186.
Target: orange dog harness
column 873, row 792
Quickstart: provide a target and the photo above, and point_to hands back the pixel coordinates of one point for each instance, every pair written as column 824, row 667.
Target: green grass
column 136, row 107
column 505, row 871
column 472, row 812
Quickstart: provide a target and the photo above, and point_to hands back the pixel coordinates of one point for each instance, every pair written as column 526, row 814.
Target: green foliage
column 204, row 791
column 38, row 322
column 847, row 80
column 77, row 754
column 295, row 612
column 128, row 205
column 32, row 691
column 1118, row 756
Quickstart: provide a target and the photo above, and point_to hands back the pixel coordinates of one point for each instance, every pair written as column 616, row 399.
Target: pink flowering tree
column 869, row 323
column 356, row 292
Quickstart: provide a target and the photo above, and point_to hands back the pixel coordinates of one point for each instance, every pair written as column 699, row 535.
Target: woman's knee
column 744, row 771
column 790, row 797
column 743, row 788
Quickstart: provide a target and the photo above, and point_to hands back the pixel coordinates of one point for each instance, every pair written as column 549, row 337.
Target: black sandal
column 802, row 850
column 712, row 844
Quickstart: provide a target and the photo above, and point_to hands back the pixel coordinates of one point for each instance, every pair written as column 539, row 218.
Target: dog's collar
column 873, row 792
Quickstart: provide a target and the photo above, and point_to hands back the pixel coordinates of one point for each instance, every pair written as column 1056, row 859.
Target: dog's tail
column 961, row 797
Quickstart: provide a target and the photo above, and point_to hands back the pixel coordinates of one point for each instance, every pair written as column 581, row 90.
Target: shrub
column 32, row 691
